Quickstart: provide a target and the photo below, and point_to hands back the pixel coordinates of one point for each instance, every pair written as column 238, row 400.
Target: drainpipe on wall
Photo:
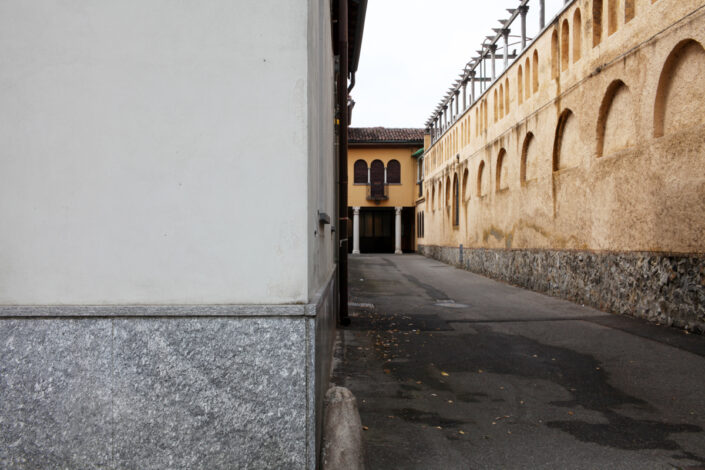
column 342, row 99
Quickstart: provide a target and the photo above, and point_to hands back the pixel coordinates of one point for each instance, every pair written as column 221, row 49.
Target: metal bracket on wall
column 323, row 218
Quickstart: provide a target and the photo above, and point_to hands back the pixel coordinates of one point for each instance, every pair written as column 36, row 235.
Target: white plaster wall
column 153, row 151
column 321, row 151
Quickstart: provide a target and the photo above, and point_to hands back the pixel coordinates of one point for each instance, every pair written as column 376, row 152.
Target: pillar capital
column 397, row 210
column 356, row 210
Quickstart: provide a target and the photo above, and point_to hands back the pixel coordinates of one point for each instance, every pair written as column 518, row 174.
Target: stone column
column 356, row 231
column 493, row 52
column 397, row 230
column 472, row 88
column 523, row 11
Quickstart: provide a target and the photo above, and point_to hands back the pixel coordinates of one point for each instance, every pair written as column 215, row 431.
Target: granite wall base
column 164, row 389
column 666, row 288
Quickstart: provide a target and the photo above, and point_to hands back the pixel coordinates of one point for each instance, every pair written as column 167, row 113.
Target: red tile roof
column 371, row 135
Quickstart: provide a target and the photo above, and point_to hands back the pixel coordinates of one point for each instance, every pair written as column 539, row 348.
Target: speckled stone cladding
column 164, row 387
column 664, row 288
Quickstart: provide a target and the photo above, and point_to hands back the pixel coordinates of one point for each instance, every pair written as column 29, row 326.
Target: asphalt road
column 455, row 371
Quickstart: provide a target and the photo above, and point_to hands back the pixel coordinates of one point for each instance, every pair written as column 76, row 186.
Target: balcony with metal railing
column 377, row 191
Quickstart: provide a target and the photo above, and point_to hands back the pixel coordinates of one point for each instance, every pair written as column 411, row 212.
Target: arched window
column 565, row 46
column 496, row 106
column 629, row 10
column 360, row 171
column 612, row 17
column 377, row 179
column 447, row 201
column 577, row 35
column 393, row 172
column 520, row 85
column 536, row 72
column 527, row 79
column 555, row 56
column 501, row 100
column 596, row 22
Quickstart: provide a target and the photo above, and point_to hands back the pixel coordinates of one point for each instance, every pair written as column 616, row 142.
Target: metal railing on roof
column 475, row 71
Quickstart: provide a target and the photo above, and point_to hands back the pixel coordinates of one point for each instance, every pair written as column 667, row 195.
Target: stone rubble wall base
column 659, row 287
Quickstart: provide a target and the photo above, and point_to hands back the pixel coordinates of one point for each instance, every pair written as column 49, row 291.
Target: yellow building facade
column 580, row 169
column 383, row 188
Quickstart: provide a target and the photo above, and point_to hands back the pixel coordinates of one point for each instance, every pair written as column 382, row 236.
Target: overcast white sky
column 413, row 50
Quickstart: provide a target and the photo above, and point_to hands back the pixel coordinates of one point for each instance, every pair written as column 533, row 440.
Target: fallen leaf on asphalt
column 438, row 427
column 480, row 371
column 434, row 395
column 444, row 374
column 534, row 355
column 571, row 413
column 461, row 432
column 419, row 382
column 365, row 428
column 387, row 371
column 450, row 401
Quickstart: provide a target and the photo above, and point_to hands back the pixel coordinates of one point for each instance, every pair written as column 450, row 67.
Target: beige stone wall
column 590, row 140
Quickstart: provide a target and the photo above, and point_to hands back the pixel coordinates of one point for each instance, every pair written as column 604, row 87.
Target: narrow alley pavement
column 452, row 370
